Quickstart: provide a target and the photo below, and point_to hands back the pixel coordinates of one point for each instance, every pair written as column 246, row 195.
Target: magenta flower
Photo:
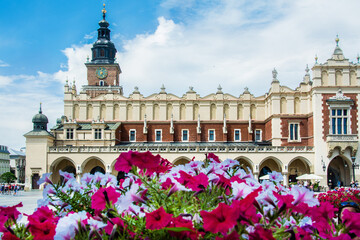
column 219, row 220
column 199, row 182
column 213, row 157
column 157, row 219
column 124, row 162
column 10, row 212
column 261, row 233
column 110, row 225
column 103, row 196
column 352, row 221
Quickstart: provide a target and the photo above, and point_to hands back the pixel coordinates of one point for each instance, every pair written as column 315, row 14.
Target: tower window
column 101, row 83
column 97, row 133
column 211, row 135
column 339, row 121
column 185, row 135
column 132, row 135
column 237, row 135
column 294, row 132
column 258, row 133
column 69, row 133
column 158, row 135
column 94, row 53
column 102, row 53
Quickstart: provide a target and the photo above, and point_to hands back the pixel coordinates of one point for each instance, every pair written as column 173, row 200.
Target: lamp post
column 353, row 166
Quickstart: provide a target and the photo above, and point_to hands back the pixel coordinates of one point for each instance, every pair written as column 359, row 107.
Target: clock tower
column 102, row 71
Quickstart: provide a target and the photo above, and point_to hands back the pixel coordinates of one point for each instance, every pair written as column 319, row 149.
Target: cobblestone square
column 28, row 198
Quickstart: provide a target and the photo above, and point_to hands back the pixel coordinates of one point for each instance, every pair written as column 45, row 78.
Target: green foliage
column 8, row 177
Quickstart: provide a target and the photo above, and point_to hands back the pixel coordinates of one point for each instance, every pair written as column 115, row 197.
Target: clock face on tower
column 101, row 72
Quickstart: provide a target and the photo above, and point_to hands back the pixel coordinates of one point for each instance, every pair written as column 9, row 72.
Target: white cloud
column 75, row 68
column 237, row 44
column 3, row 64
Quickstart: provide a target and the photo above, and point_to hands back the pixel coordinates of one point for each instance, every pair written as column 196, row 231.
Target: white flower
column 67, row 225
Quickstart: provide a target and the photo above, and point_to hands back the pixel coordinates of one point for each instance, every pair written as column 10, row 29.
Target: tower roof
column 40, row 121
column 103, row 50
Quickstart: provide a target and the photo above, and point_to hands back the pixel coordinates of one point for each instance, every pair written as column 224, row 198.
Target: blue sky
column 235, row 43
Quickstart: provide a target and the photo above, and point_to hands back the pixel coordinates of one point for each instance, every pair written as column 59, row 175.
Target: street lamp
column 323, row 164
column 353, row 158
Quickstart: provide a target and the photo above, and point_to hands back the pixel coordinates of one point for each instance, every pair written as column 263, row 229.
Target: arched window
column 324, row 78
column 253, row 111
column 338, row 78
column 142, row 111
column 129, row 112
column 240, row 112
column 103, row 111
column 212, row 111
column 156, row 110
column 76, row 111
column 169, row 110
column 89, row 112
column 296, row 105
column 101, row 83
column 226, row 110
column 283, row 105
column 195, row 111
column 102, row 53
column 116, row 111
column 182, row 111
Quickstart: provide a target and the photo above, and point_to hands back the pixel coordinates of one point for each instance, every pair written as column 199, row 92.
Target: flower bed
column 199, row 200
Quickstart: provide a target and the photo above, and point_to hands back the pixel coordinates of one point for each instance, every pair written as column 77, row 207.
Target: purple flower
column 276, row 177
column 67, row 176
column 44, row 178
column 302, row 194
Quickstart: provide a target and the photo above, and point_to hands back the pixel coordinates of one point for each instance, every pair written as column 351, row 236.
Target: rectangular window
column 294, row 132
column 258, row 135
column 132, row 135
column 185, row 135
column 237, row 136
column 69, row 133
column 211, row 135
column 339, row 121
column 158, row 135
column 97, row 133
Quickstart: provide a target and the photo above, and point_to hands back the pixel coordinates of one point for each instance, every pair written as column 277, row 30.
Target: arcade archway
column 64, row 165
column 269, row 165
column 245, row 164
column 296, row 168
column 338, row 173
column 93, row 165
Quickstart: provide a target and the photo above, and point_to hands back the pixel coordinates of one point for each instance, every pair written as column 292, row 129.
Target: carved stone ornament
column 340, row 96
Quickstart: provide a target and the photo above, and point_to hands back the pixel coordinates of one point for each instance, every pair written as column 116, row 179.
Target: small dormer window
column 101, row 83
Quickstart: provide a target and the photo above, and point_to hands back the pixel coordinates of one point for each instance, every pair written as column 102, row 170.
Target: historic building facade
column 311, row 129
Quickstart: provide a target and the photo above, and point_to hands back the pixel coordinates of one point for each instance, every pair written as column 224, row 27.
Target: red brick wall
column 123, row 132
column 326, row 114
column 304, row 132
column 113, row 73
column 243, row 129
column 267, row 132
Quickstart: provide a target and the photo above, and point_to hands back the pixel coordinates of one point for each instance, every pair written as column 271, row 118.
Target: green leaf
column 178, row 229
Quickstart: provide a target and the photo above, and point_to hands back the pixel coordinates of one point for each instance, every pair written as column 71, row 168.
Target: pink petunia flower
column 213, row 157
column 157, row 219
column 10, row 212
column 124, row 162
column 352, row 221
column 103, row 196
column 199, row 182
column 302, row 194
column 219, row 220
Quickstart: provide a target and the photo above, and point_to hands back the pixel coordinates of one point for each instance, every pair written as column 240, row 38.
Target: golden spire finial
column 104, row 11
column 337, row 39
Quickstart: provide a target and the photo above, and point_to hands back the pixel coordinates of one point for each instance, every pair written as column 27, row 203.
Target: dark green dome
column 40, row 121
